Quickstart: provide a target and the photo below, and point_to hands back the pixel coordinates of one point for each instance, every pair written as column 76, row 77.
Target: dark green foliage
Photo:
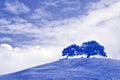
column 88, row 48
column 71, row 50
column 93, row 48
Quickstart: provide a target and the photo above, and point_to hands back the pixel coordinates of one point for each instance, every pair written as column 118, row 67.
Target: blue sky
column 34, row 32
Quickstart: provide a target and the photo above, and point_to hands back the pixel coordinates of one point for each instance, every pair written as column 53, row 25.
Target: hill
column 71, row 69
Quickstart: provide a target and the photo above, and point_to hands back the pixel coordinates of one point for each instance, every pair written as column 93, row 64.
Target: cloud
column 6, row 39
column 97, row 25
column 24, row 57
column 6, row 46
column 16, row 7
column 18, row 26
column 9, row 21
column 72, row 6
column 4, row 21
column 40, row 13
column 101, row 4
column 51, row 3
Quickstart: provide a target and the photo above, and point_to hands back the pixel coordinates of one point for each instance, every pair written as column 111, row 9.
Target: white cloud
column 102, row 14
column 6, row 46
column 51, row 3
column 101, row 4
column 9, row 21
column 18, row 20
column 6, row 39
column 76, row 30
column 18, row 27
column 70, row 1
column 4, row 21
column 16, row 7
column 101, row 25
column 21, row 58
column 40, row 13
column 72, row 6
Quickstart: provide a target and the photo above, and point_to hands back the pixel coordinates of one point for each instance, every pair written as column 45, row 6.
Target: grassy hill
column 71, row 69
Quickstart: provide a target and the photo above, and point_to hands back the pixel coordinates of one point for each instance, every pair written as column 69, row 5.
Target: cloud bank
column 15, row 59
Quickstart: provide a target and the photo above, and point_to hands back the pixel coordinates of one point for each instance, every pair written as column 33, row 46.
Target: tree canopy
column 71, row 50
column 93, row 48
column 88, row 48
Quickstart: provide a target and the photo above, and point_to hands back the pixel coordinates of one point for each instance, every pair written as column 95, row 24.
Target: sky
column 34, row 32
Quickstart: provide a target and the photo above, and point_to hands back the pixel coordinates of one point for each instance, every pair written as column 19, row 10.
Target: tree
column 93, row 48
column 71, row 50
column 88, row 48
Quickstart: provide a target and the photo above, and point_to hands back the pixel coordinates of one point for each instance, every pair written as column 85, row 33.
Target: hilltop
column 71, row 69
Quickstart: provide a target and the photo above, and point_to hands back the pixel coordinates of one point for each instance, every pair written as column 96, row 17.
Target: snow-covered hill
column 71, row 69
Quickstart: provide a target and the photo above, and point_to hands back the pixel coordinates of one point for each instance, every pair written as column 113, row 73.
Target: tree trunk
column 67, row 57
column 88, row 56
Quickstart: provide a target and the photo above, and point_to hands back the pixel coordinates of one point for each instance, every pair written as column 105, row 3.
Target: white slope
column 71, row 69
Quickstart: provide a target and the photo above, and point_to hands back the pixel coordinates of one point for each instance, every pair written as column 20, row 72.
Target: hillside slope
column 71, row 69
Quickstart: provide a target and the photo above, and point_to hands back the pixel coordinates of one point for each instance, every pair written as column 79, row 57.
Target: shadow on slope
column 71, row 69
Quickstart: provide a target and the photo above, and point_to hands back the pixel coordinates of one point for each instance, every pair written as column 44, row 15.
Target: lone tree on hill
column 89, row 48
column 71, row 50
column 93, row 48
